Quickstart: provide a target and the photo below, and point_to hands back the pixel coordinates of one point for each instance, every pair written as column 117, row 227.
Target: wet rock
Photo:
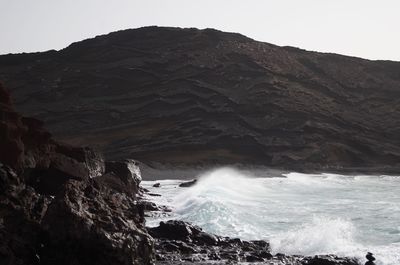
column 127, row 173
column 180, row 247
column 214, row 256
column 66, row 162
column 175, row 230
column 152, row 207
column 143, row 190
column 21, row 211
column 149, row 206
column 188, row 183
column 253, row 258
column 202, row 245
column 329, row 260
column 88, row 223
column 206, row 239
column 157, row 185
column 370, row 257
column 48, row 181
column 79, row 162
column 84, row 221
column 8, row 179
column 265, row 254
column 182, row 241
column 154, row 194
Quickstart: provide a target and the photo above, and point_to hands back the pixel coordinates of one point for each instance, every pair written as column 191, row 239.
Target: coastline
column 180, row 242
column 158, row 171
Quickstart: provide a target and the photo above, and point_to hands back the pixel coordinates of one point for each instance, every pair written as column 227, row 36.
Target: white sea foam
column 299, row 213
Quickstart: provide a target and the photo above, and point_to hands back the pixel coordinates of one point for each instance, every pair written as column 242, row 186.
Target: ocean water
column 306, row 214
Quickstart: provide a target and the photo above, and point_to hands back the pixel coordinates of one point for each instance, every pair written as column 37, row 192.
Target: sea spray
column 304, row 214
column 322, row 235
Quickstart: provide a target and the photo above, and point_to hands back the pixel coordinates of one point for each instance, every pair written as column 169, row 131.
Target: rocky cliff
column 56, row 204
column 188, row 96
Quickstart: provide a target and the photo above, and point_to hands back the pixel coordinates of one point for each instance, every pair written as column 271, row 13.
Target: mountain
column 205, row 97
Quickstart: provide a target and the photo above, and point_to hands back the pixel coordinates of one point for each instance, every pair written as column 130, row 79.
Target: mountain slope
column 188, row 96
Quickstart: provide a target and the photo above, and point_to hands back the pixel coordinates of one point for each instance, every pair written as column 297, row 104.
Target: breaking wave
column 304, row 214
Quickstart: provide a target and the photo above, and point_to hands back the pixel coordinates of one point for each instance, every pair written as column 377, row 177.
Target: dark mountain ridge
column 201, row 97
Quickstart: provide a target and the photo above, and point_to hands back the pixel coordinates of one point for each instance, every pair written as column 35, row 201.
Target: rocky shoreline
column 61, row 204
column 178, row 242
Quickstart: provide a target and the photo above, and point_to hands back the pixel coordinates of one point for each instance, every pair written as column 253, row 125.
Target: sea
column 305, row 214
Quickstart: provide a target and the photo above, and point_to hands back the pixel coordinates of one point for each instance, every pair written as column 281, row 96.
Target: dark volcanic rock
column 329, row 260
column 21, row 211
column 203, row 96
column 177, row 241
column 81, row 162
column 370, row 256
column 84, row 221
column 23, row 141
column 188, row 183
column 27, row 147
column 90, row 224
column 175, row 230
column 151, row 207
column 123, row 176
column 64, row 163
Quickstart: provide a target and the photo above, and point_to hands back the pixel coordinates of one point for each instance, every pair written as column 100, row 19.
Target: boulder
column 126, row 174
column 88, row 223
column 329, row 260
column 175, row 230
column 188, row 183
column 152, row 207
column 178, row 240
column 21, row 211
column 65, row 163
column 78, row 162
column 38, row 145
column 370, row 257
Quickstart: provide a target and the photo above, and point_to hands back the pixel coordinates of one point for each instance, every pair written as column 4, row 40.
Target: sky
column 363, row 28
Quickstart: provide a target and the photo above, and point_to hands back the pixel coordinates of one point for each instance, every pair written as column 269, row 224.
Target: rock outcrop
column 55, row 207
column 90, row 224
column 188, row 96
column 21, row 212
column 178, row 241
column 23, row 141
column 187, row 184
column 123, row 176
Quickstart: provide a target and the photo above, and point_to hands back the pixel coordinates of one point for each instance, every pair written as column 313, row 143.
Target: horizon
column 363, row 29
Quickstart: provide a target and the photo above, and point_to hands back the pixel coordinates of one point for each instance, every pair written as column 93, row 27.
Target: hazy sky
column 364, row 28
